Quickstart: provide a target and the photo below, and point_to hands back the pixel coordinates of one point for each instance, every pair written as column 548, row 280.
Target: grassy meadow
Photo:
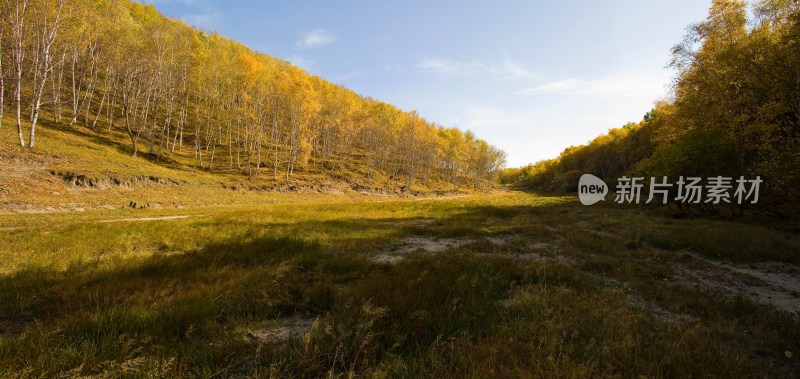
column 501, row 285
column 193, row 208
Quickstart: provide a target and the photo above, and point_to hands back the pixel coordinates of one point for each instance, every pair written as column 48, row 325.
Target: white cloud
column 653, row 85
column 511, row 69
column 561, row 86
column 504, row 68
column 487, row 118
column 316, row 38
column 444, row 66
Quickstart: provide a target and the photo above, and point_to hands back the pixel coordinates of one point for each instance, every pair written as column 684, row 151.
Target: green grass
column 173, row 298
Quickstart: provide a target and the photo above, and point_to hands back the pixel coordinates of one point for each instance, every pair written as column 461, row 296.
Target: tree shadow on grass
column 176, row 300
column 113, row 140
column 188, row 305
column 45, row 293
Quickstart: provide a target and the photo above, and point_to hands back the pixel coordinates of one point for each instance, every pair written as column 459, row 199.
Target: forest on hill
column 735, row 111
column 122, row 70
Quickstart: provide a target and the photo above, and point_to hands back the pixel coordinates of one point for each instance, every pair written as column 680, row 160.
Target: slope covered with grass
column 74, row 168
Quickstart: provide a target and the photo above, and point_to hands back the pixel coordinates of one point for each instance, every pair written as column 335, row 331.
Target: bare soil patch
column 150, row 218
column 430, row 245
column 777, row 284
column 281, row 330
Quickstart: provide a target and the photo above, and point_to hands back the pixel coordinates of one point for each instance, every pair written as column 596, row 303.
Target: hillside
column 75, row 169
column 115, row 95
column 735, row 112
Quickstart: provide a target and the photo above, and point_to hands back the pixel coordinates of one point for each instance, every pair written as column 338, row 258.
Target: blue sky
column 530, row 77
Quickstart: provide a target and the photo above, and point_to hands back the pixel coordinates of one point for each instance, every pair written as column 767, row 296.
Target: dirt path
column 777, row 284
column 150, row 218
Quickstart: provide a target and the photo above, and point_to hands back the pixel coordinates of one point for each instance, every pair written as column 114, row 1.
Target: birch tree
column 161, row 82
column 48, row 23
column 18, row 39
column 3, row 10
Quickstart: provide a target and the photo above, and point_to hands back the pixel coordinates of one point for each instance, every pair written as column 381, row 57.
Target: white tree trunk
column 2, row 79
column 48, row 37
column 19, row 21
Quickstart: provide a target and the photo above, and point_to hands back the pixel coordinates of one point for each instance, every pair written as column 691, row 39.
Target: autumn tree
column 48, row 22
column 5, row 10
column 158, row 81
column 735, row 110
column 18, row 38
